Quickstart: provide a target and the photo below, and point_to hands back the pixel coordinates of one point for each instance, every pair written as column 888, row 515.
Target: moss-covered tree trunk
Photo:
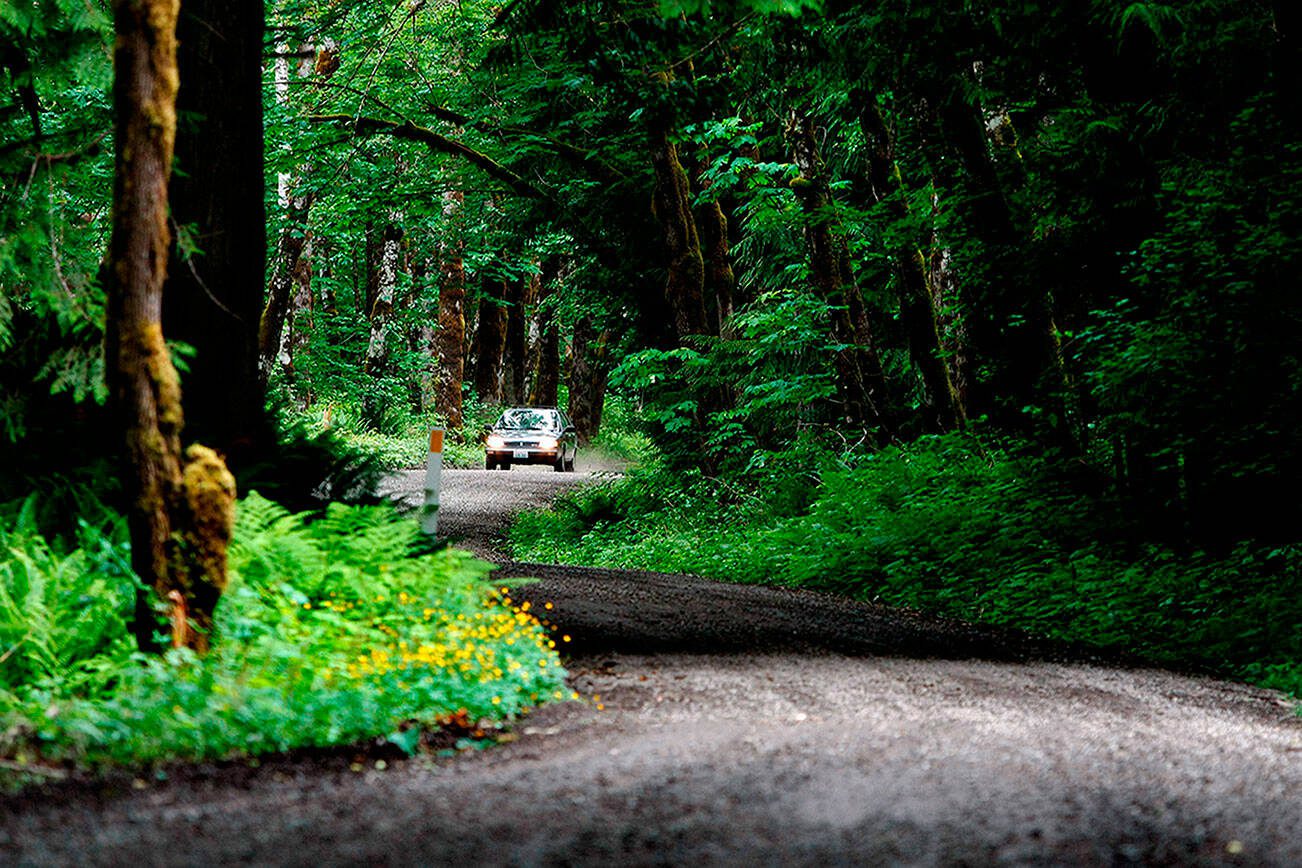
column 720, row 281
column 180, row 506
column 913, row 282
column 450, row 339
column 294, row 241
column 672, row 205
column 385, row 278
column 1010, row 317
column 716, row 249
column 860, row 378
column 293, row 268
column 532, row 336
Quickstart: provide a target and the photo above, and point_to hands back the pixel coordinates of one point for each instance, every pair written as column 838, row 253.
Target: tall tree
column 383, row 275
column 588, row 375
column 490, row 338
column 515, row 371
column 546, row 383
column 181, row 505
column 861, row 380
column 672, row 205
column 450, row 339
column 914, row 283
column 292, row 268
column 216, row 280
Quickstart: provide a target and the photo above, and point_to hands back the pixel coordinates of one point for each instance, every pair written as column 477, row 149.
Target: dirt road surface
column 736, row 725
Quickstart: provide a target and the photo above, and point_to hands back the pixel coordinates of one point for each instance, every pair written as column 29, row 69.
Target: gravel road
column 750, row 726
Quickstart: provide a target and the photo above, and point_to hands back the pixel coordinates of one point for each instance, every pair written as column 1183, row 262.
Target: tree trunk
column 381, row 312
column 588, row 372
column 946, row 302
column 720, row 281
column 861, row 381
column 532, row 339
column 421, row 334
column 546, row 384
column 672, row 206
column 273, row 340
column 373, row 253
column 450, row 339
column 1018, row 345
column 514, row 370
column 913, row 282
column 181, row 508
column 215, row 296
column 491, row 339
column 286, row 279
column 298, row 321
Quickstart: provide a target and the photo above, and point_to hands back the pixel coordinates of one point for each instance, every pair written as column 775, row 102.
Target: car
column 532, row 435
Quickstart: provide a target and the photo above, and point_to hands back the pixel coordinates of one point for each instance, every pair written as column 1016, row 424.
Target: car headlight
column 496, row 441
column 546, row 442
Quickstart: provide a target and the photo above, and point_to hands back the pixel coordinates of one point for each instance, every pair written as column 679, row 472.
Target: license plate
column 520, row 453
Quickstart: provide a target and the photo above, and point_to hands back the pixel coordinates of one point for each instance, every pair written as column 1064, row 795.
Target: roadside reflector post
column 429, row 512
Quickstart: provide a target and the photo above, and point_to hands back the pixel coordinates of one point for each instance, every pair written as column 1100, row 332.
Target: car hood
column 523, row 433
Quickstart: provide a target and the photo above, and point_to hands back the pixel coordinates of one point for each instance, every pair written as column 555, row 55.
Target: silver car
column 532, row 435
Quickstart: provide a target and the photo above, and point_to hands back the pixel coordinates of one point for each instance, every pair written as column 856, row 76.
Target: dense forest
column 990, row 308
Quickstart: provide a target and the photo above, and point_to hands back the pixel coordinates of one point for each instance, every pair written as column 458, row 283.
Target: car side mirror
column 570, row 429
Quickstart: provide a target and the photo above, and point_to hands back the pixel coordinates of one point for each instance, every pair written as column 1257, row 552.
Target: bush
column 331, row 632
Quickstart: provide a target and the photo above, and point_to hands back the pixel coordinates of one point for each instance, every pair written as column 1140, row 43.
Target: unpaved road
column 751, row 726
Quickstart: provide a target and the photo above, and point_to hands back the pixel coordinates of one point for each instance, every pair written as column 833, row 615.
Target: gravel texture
column 742, row 725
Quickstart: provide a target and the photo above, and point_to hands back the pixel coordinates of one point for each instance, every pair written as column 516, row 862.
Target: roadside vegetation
column 333, row 631
column 975, row 527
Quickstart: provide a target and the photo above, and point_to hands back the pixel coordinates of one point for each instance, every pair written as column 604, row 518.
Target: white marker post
column 429, row 513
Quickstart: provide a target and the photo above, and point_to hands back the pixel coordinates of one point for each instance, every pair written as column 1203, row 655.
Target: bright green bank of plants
column 332, row 631
column 399, row 439
column 984, row 531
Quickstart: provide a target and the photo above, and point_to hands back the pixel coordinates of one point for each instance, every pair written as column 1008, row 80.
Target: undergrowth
column 982, row 531
column 332, row 631
column 400, row 440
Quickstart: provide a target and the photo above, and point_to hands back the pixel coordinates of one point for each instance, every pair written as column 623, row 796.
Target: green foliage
column 980, row 530
column 1213, row 326
column 63, row 607
column 775, row 366
column 402, row 441
column 622, row 437
column 55, row 178
column 331, row 632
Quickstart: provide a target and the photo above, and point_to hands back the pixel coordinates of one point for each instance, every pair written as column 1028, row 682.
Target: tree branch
column 443, row 144
column 578, row 156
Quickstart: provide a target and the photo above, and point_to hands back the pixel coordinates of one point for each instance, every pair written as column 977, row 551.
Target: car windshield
column 523, row 418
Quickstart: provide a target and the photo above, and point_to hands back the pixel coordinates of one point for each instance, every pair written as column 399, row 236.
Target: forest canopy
column 1074, row 220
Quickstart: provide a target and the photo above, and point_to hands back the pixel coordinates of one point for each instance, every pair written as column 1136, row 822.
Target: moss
column 208, row 497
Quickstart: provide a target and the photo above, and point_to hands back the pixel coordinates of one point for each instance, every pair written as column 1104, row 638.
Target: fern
column 1154, row 17
column 269, row 543
column 58, row 610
